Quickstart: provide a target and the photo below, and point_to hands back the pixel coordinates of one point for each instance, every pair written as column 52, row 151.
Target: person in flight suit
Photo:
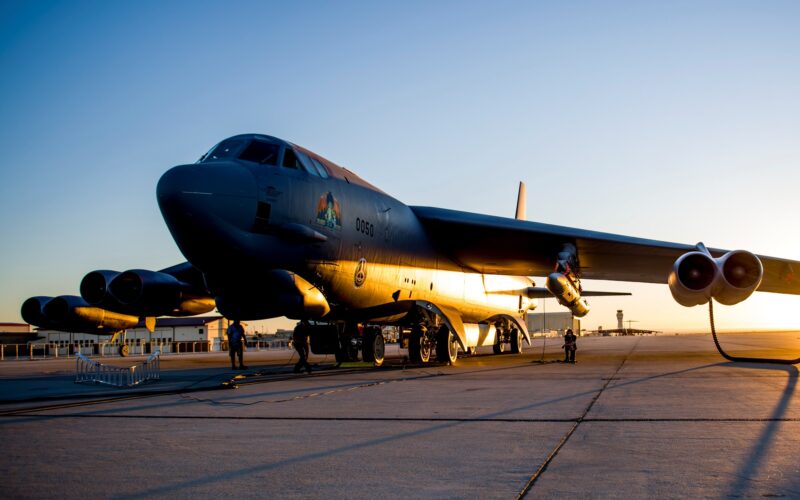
column 570, row 346
column 300, row 341
column 236, row 340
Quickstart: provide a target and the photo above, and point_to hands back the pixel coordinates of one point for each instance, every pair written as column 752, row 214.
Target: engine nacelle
column 567, row 294
column 693, row 278
column 73, row 314
column 32, row 311
column 94, row 288
column 696, row 277
column 282, row 293
column 741, row 273
column 152, row 293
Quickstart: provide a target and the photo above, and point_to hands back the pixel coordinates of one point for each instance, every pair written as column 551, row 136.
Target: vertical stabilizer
column 521, row 202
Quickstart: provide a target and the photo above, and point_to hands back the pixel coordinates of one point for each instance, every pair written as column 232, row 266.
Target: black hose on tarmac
column 742, row 359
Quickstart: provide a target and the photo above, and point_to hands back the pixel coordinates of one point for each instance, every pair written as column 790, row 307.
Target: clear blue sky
column 671, row 120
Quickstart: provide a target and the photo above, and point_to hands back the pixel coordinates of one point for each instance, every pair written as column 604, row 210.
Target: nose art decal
column 329, row 213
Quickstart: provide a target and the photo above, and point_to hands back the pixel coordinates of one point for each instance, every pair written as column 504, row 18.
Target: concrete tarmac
column 636, row 417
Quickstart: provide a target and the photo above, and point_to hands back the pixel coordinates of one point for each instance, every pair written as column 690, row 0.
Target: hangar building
column 549, row 323
column 195, row 334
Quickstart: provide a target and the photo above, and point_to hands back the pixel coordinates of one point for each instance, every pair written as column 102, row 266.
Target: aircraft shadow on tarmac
column 763, row 444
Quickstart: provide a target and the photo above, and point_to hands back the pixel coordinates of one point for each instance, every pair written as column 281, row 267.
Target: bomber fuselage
column 240, row 217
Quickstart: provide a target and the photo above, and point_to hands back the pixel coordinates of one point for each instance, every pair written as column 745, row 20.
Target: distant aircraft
column 272, row 229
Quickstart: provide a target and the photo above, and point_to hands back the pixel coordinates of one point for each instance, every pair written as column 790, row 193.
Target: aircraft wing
column 499, row 245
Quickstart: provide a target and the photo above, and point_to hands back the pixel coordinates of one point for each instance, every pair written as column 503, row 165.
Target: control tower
column 619, row 319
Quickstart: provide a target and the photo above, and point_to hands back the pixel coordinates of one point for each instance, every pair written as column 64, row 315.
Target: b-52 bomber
column 296, row 235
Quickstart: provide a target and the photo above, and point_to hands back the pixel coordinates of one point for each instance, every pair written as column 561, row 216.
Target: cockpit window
column 305, row 161
column 290, row 159
column 225, row 149
column 264, row 153
column 320, row 168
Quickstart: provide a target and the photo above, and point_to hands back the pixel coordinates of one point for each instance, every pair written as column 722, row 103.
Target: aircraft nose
column 201, row 195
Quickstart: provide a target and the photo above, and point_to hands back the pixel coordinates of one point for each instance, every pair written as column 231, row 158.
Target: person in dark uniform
column 236, row 340
column 300, row 342
column 570, row 346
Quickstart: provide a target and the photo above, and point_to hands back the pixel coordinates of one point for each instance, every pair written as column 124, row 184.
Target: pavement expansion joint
column 578, row 421
column 403, row 419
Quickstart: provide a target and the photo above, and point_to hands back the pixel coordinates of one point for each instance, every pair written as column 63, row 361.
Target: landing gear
column 472, row 351
column 347, row 350
column 516, row 341
column 419, row 345
column 499, row 347
column 373, row 346
column 446, row 346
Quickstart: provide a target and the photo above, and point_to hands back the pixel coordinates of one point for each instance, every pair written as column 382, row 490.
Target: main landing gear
column 420, row 344
column 446, row 346
column 507, row 334
column 373, row 345
column 423, row 341
column 369, row 340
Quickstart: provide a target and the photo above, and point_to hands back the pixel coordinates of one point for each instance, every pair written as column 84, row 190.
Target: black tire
column 373, row 346
column 346, row 351
column 378, row 349
column 367, row 346
column 123, row 350
column 516, row 341
column 446, row 346
column 419, row 351
column 499, row 347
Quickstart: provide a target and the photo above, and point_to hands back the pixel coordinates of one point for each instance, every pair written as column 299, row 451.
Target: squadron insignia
column 329, row 213
column 360, row 275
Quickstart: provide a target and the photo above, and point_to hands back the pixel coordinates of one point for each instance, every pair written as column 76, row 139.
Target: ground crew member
column 570, row 346
column 236, row 340
column 300, row 342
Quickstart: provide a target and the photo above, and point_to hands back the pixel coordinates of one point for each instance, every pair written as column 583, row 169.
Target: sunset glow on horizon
column 676, row 121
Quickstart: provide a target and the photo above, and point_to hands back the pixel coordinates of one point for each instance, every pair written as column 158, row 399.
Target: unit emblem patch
column 360, row 276
column 329, row 213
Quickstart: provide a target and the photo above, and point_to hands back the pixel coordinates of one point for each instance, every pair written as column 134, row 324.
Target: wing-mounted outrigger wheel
column 122, row 350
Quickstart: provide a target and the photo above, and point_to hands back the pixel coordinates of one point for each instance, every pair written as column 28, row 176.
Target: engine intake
column 94, row 288
column 741, row 274
column 32, row 311
column 696, row 277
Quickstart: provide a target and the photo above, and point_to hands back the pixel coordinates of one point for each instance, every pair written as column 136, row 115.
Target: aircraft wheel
column 419, row 349
column 499, row 347
column 446, row 346
column 123, row 350
column 346, row 351
column 373, row 346
column 516, row 341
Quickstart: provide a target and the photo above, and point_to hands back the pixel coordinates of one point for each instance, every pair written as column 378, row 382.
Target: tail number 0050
column 365, row 227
